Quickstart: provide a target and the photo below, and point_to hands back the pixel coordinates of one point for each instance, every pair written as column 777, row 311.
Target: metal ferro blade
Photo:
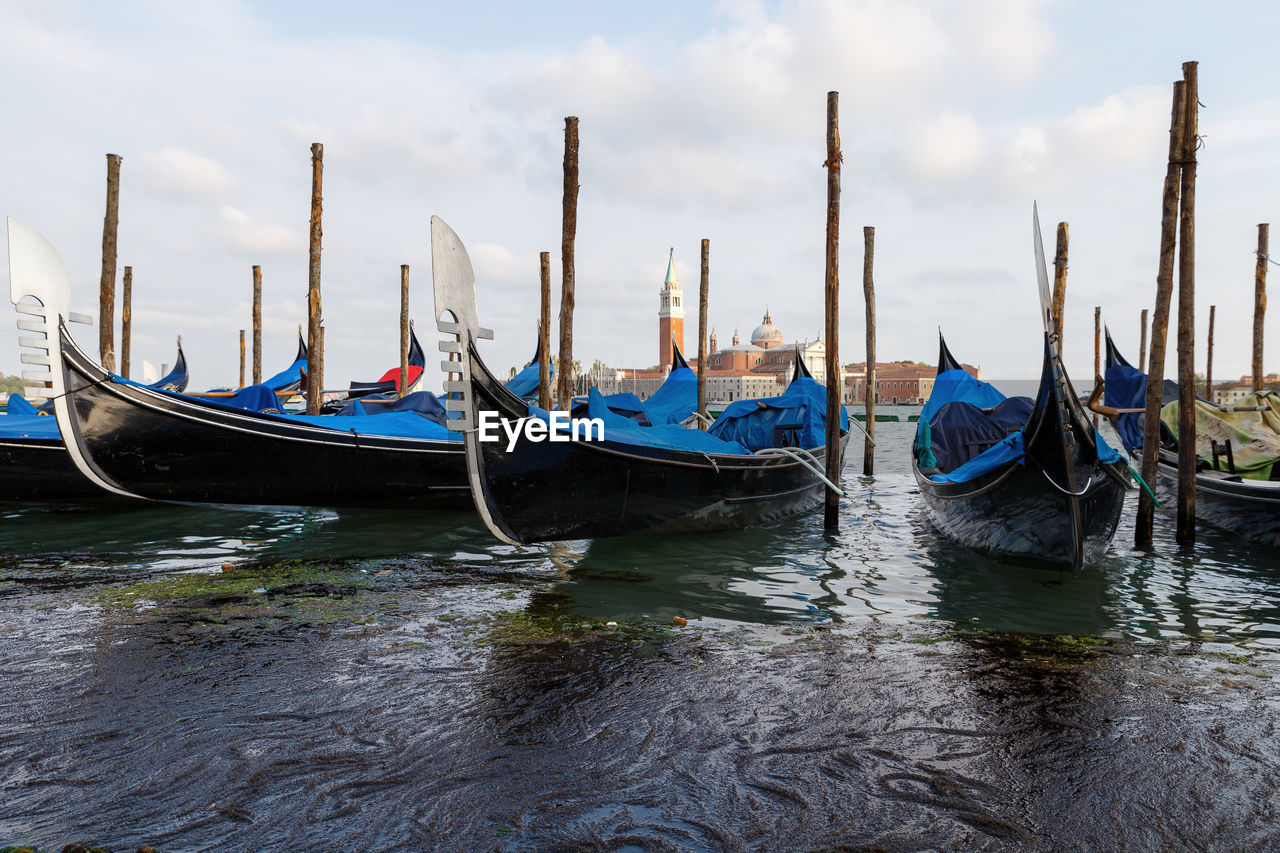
column 1042, row 272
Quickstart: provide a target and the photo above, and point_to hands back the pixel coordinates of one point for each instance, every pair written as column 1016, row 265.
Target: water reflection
column 884, row 564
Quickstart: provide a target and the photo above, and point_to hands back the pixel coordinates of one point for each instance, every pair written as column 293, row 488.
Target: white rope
column 811, row 463
column 1064, row 491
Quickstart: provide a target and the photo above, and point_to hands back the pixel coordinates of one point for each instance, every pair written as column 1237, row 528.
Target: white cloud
column 946, row 148
column 250, row 235
column 181, row 173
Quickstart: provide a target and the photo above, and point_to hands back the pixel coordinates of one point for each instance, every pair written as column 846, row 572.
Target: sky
column 697, row 120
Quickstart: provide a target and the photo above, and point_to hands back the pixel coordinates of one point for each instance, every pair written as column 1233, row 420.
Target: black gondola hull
column 1248, row 508
column 166, row 448
column 543, row 491
column 1016, row 516
column 39, row 469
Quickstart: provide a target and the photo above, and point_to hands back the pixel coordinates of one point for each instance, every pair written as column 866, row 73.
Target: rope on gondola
column 1064, row 491
column 1134, row 471
column 811, row 463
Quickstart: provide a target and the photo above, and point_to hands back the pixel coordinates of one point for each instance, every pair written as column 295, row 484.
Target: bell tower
column 670, row 314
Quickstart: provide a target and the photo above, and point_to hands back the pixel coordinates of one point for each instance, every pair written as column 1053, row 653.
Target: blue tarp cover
column 14, row 425
column 423, row 402
column 394, row 425
column 1126, row 388
column 526, row 381
column 675, row 400
column 623, row 430
column 251, row 398
column 802, row 406
column 287, row 378
column 964, row 411
column 18, row 405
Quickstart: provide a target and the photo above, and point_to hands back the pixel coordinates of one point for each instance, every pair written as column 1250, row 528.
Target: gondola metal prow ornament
column 454, row 284
column 37, row 271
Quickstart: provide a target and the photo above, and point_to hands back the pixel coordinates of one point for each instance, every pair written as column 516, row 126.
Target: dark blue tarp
column 973, row 428
column 423, row 402
column 795, row 418
column 1126, row 388
column 961, row 431
column 18, row 405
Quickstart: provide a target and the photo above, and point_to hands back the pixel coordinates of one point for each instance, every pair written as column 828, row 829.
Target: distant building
column 896, row 384
column 670, row 314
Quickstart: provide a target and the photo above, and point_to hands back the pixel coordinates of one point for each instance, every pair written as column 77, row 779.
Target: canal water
column 194, row 678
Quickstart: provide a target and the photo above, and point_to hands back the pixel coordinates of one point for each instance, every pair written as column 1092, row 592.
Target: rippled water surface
column 382, row 680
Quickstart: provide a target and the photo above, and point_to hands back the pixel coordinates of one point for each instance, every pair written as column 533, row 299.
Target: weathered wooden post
column 704, row 292
column 257, row 324
column 1208, row 369
column 315, row 345
column 1097, row 349
column 1142, row 537
column 1260, row 302
column 404, row 330
column 1142, row 348
column 831, row 512
column 1186, row 534
column 544, row 332
column 568, row 232
column 1060, row 283
column 126, row 321
column 107, row 285
column 241, row 385
column 869, row 392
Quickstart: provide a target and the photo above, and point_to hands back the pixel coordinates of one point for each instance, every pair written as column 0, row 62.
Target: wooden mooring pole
column 869, row 391
column 1208, row 368
column 257, row 324
column 1142, row 537
column 1060, row 283
column 126, row 320
column 1186, row 534
column 1142, row 348
column 704, row 292
column 107, row 285
column 404, row 329
column 544, row 333
column 241, row 385
column 1260, row 302
column 315, row 345
column 568, row 233
column 831, row 511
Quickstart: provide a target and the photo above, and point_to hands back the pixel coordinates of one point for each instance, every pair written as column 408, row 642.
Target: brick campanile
column 670, row 314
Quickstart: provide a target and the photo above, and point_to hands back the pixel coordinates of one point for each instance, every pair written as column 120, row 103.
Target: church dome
column 766, row 334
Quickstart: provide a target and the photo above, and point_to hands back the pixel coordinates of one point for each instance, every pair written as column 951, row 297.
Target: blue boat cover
column 795, row 418
column 423, row 402
column 408, row 424
column 525, row 383
column 675, row 400
column 18, row 405
column 251, row 398
column 289, row 378
column 1126, row 388
column 972, row 427
column 623, row 430
column 16, row 425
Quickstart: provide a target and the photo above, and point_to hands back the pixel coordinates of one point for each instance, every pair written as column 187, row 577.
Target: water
column 381, row 680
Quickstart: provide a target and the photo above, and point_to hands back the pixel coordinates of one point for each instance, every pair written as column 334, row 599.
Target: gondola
column 1245, row 505
column 148, row 443
column 635, row 479
column 34, row 465
column 1022, row 481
